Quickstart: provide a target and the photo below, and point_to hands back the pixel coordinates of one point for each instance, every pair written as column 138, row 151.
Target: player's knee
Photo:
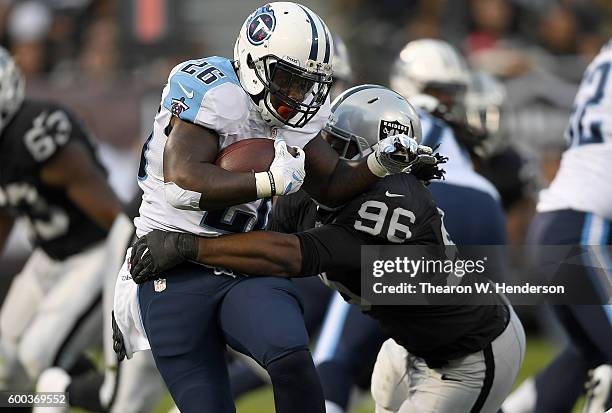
column 296, row 384
column 33, row 359
column 291, row 366
column 294, row 370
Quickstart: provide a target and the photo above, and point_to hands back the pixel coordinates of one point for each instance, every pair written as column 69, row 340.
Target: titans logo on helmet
column 261, row 25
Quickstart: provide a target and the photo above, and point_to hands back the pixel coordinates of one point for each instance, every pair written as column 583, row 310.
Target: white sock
column 331, row 407
column 523, row 399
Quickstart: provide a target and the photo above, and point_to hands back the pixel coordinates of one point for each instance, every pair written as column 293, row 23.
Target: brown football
column 247, row 155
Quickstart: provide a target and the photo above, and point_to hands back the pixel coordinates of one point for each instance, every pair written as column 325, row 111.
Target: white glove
column 398, row 153
column 286, row 174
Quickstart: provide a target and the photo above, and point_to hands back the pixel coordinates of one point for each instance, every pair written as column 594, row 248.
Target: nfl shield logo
column 391, row 128
column 159, row 285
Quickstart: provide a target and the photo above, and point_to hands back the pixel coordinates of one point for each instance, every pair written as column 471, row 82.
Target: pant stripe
column 78, row 323
column 332, row 329
column 487, row 382
column 595, row 232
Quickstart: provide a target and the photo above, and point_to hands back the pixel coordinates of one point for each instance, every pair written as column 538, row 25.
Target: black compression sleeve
column 330, row 247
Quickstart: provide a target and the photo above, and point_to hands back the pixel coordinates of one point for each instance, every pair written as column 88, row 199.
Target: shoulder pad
column 206, row 92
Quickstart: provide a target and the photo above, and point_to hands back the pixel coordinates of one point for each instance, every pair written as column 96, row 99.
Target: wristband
column 264, row 182
column 187, row 246
column 375, row 166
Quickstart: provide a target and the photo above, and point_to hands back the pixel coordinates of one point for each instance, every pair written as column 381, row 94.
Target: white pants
column 51, row 314
column 403, row 383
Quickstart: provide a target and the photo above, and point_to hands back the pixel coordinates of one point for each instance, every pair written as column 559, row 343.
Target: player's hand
column 159, row 251
column 399, row 153
column 287, row 170
column 118, row 345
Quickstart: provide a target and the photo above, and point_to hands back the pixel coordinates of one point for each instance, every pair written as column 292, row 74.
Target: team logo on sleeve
column 391, row 128
column 178, row 106
column 261, row 25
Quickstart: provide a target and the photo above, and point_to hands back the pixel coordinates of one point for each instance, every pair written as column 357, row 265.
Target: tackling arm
column 330, row 180
column 254, row 253
column 265, row 253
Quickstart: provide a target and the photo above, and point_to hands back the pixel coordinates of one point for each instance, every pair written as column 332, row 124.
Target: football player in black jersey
column 440, row 358
column 49, row 175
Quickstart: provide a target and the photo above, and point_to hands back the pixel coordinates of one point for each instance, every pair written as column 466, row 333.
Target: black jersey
column 398, row 210
column 37, row 133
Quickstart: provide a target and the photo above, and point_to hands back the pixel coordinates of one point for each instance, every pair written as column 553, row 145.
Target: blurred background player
column 51, row 175
column 576, row 209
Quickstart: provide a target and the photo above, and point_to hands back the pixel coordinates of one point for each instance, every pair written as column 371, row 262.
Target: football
column 247, row 155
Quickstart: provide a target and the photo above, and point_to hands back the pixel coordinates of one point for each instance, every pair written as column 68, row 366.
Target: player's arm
column 74, row 169
column 6, row 224
column 189, row 157
column 267, row 253
column 330, row 180
column 333, row 181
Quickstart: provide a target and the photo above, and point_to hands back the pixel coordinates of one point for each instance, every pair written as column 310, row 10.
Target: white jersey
column 207, row 92
column 582, row 182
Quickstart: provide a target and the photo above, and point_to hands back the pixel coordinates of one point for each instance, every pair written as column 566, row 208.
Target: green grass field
column 539, row 353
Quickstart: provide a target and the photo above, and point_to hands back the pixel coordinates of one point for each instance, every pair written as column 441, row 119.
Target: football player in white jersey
column 576, row 209
column 277, row 88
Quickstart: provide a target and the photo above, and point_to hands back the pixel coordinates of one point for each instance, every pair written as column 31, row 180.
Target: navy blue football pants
column 190, row 322
column 588, row 327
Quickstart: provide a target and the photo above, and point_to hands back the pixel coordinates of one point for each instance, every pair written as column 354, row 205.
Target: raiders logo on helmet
column 391, row 128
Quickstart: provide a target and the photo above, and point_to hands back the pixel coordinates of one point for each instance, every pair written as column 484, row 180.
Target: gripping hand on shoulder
column 286, row 174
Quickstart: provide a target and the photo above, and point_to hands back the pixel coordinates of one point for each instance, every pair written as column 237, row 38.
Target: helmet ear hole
column 249, row 61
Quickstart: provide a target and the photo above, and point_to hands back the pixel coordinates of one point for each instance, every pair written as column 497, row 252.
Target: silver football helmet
column 365, row 114
column 12, row 86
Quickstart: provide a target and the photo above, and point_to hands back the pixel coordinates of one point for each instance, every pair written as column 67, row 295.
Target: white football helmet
column 284, row 56
column 12, row 86
column 427, row 66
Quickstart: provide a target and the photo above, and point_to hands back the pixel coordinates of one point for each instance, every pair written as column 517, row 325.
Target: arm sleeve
column 327, row 248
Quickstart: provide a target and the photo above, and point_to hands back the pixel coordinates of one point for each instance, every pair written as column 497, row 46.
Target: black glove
column 159, row 251
column 429, row 169
column 118, row 345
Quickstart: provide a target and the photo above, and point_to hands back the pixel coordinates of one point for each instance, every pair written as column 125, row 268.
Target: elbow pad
column 181, row 198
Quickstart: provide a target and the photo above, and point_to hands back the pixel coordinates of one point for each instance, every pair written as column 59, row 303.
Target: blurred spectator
column 492, row 22
column 99, row 59
column 28, row 26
